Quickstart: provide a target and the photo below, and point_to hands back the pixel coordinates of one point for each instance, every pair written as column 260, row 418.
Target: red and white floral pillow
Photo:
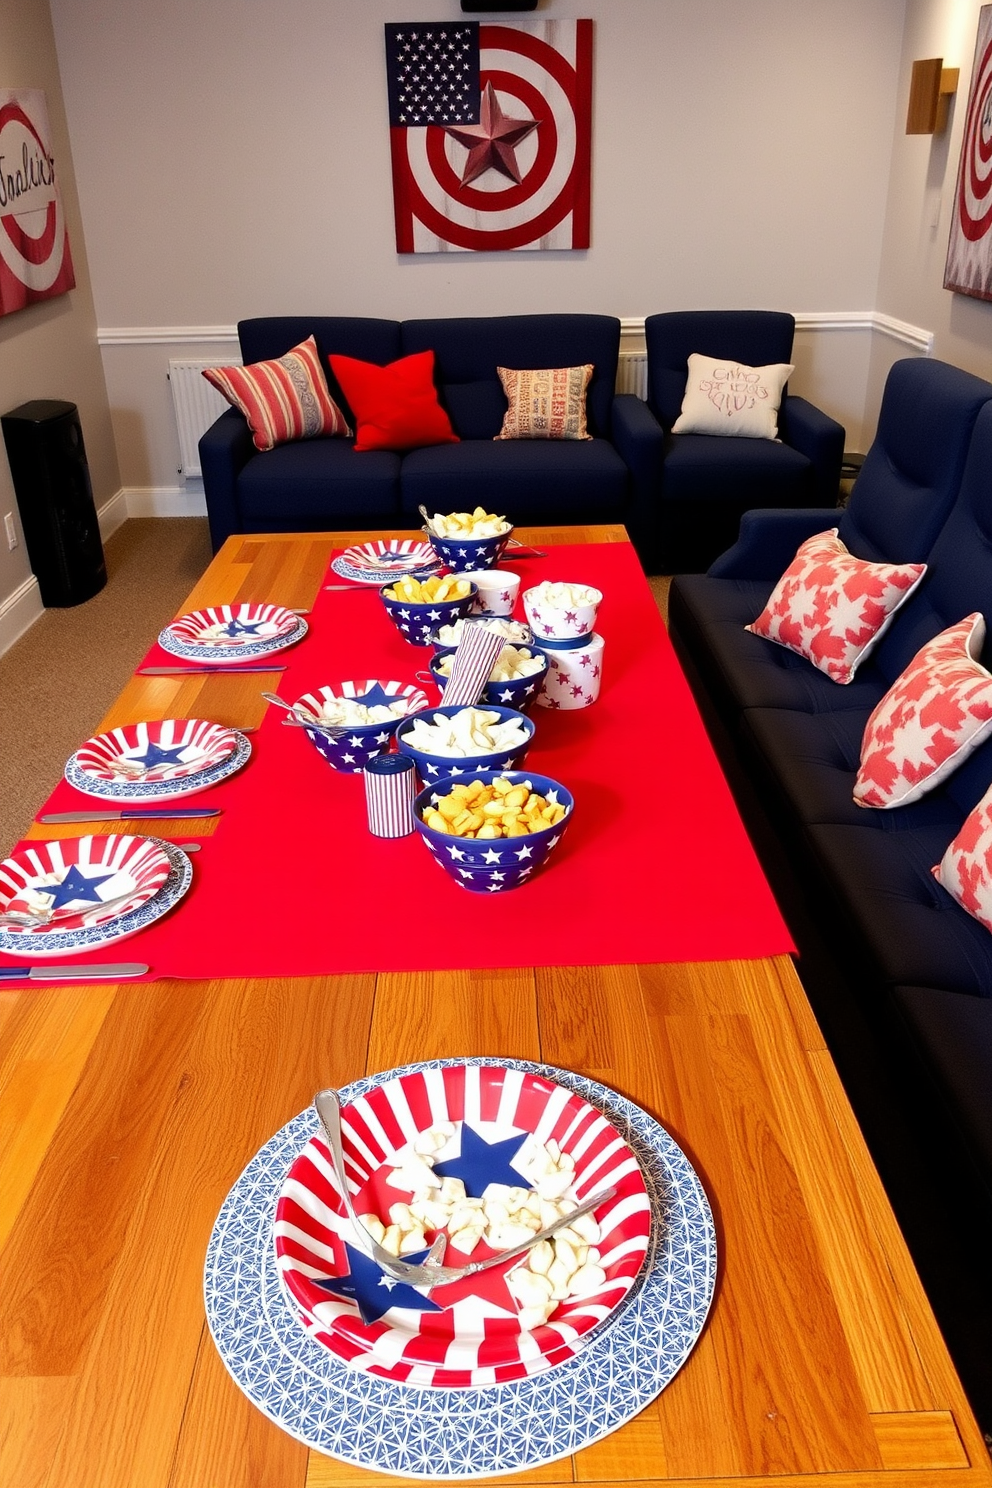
column 831, row 607
column 932, row 717
column 965, row 870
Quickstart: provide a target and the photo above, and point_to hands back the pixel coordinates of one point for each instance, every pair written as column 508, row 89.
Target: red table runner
column 655, row 865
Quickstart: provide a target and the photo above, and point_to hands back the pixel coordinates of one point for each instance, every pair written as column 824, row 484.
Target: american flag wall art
column 969, row 250
column 490, row 134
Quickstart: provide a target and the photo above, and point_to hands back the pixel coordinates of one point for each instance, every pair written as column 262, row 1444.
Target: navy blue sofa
column 899, row 975
column 691, row 490
column 322, row 484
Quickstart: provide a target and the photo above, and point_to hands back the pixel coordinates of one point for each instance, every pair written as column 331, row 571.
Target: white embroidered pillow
column 932, row 717
column 723, row 397
column 549, row 403
column 965, row 870
column 831, row 607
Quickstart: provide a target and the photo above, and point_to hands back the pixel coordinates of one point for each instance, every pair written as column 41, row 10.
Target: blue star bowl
column 463, row 554
column 436, row 766
column 518, row 693
column 493, row 865
column 417, row 622
column 352, row 751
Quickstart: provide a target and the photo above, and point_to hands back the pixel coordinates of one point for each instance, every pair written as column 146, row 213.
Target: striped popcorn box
column 474, row 658
column 390, row 786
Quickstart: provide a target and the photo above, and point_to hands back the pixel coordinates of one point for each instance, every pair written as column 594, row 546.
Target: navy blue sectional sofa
column 322, row 484
column 900, row 976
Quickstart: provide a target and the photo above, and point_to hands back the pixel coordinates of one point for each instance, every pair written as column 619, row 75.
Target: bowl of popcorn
column 561, row 612
column 448, row 636
column 514, row 682
column 467, row 540
column 460, row 741
column 362, row 718
column 495, row 830
column 418, row 606
column 489, row 1156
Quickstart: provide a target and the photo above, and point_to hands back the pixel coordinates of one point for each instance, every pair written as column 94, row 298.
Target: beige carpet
column 60, row 679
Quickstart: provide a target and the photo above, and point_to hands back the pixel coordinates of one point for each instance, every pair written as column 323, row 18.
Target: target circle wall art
column 35, row 263
column 969, row 250
column 490, row 129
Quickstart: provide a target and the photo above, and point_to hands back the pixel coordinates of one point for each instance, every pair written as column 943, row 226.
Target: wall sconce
column 930, row 92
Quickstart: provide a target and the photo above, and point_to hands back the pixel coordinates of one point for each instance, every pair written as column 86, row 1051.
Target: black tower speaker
column 52, row 485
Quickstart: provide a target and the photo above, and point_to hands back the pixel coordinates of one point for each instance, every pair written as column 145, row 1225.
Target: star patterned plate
column 378, row 562
column 88, row 870
column 157, row 761
column 455, row 1434
column 468, row 1330
column 223, row 634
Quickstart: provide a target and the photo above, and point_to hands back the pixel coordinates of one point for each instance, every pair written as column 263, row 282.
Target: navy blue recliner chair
column 691, row 490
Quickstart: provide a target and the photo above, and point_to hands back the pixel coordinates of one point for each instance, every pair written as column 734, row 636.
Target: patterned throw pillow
column 545, row 404
column 282, row 400
column 965, row 870
column 929, row 721
column 723, row 397
column 831, row 607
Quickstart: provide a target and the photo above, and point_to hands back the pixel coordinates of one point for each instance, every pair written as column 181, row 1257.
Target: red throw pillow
column 282, row 400
column 396, row 406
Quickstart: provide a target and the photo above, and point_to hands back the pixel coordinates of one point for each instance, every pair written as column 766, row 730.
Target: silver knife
column 113, row 972
column 136, row 813
column 196, row 671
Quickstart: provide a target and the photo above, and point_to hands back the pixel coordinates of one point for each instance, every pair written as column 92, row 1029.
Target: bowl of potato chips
column 468, row 540
column 493, row 830
column 450, row 740
column 514, row 682
column 418, row 606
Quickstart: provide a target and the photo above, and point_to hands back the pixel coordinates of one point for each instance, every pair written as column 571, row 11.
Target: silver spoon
column 430, row 1273
column 302, row 718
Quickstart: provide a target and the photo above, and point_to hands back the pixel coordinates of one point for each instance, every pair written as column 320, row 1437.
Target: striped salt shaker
column 390, row 786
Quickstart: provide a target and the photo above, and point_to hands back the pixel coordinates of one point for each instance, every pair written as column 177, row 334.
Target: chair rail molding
column 631, row 331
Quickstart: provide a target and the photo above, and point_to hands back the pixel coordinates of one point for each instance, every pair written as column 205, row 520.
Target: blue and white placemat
column 452, row 1434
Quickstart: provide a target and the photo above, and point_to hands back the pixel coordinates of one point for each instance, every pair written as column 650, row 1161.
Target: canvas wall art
column 969, row 249
column 490, row 129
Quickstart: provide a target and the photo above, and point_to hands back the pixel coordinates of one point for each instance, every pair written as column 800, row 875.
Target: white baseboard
column 165, row 501
column 112, row 514
column 19, row 611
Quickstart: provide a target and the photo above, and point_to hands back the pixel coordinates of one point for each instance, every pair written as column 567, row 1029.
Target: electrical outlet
column 11, row 531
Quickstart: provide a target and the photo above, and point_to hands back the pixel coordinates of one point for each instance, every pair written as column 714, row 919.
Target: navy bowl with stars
column 416, row 623
column 463, row 554
column 355, row 746
column 491, row 865
column 519, row 692
column 431, row 767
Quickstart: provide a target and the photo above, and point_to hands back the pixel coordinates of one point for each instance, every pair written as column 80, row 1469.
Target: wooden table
column 128, row 1112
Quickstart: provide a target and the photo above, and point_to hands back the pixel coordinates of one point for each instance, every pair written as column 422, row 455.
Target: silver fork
column 431, row 1272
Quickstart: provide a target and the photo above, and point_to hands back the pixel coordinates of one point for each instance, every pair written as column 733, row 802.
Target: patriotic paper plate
column 378, row 562
column 232, row 633
column 443, row 1434
column 468, row 1333
column 157, row 761
column 76, row 876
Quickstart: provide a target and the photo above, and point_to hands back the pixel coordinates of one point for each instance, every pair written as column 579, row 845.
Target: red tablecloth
column 655, row 865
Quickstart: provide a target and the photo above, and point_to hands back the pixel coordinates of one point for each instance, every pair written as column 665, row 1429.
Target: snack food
column 428, row 591
column 501, row 809
column 469, row 732
column 565, row 1266
column 511, row 663
column 564, row 596
column 347, row 713
column 514, row 630
column 478, row 523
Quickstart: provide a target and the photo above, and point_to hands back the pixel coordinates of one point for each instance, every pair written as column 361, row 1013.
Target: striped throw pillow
column 282, row 400
column 545, row 404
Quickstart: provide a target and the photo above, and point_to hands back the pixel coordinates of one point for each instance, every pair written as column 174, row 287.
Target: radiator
column 197, row 405
column 632, row 373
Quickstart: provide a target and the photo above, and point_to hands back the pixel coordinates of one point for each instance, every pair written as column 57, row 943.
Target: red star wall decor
column 490, row 130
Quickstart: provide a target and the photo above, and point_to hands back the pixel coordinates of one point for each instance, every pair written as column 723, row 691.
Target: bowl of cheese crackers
column 418, row 606
column 467, row 540
column 494, row 829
